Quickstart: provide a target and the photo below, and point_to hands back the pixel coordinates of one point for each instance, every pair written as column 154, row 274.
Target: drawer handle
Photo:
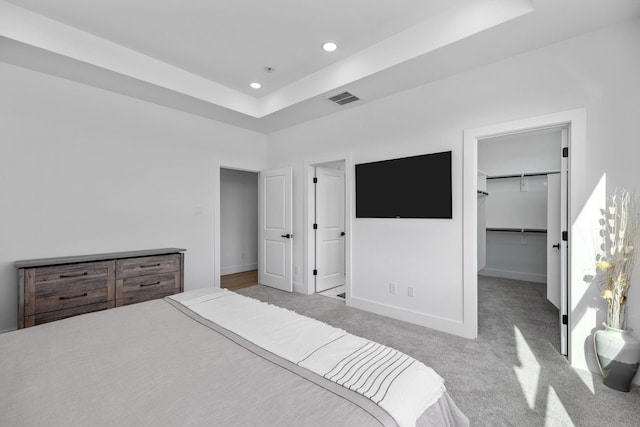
column 65, row 276
column 150, row 266
column 73, row 296
column 144, row 285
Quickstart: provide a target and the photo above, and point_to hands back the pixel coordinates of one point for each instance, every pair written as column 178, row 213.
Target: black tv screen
column 410, row 187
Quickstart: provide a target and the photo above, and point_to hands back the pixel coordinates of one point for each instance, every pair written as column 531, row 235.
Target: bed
column 211, row 357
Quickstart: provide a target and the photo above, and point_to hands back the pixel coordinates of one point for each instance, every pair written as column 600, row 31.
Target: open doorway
column 328, row 217
column 238, row 228
column 520, row 215
column 575, row 162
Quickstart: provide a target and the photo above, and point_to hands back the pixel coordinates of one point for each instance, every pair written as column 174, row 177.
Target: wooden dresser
column 54, row 288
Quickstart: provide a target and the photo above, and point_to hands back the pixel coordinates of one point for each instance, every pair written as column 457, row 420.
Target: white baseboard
column 238, row 268
column 515, row 275
column 450, row 326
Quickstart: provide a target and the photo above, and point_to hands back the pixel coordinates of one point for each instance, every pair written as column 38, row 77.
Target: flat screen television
column 409, row 187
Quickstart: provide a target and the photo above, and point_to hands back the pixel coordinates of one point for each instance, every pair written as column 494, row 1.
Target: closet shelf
column 523, row 174
column 518, row 230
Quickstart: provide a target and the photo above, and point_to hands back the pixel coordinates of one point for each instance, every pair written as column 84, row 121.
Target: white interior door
column 275, row 229
column 330, row 249
column 564, row 245
column 554, row 237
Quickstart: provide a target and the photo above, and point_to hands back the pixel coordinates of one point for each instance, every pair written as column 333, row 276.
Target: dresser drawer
column 71, row 299
column 61, row 287
column 71, row 273
column 133, row 267
column 51, row 316
column 144, row 288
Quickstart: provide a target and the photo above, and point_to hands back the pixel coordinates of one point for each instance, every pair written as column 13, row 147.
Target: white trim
column 450, row 326
column 308, row 286
column 216, row 225
column 576, row 120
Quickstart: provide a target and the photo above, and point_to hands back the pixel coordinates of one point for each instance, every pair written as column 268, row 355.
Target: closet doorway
column 522, row 211
column 238, row 228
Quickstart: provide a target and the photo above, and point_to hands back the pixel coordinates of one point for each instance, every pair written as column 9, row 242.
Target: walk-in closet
column 519, row 208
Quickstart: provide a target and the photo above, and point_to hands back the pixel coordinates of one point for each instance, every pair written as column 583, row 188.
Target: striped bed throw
column 370, row 370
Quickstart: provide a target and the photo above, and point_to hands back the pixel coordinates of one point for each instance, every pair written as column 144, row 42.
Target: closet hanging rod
column 523, row 174
column 518, row 230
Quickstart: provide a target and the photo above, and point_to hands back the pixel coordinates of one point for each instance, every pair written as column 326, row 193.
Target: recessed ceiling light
column 329, row 46
column 255, row 85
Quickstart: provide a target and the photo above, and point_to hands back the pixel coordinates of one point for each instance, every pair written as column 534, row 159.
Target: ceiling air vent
column 343, row 98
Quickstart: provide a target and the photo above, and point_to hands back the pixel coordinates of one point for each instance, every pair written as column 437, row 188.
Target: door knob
column 557, row 246
column 343, row 233
column 287, row 236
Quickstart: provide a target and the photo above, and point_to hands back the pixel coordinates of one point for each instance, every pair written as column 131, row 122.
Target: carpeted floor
column 511, row 375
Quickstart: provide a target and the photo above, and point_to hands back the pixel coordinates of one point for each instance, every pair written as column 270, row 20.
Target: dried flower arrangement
column 620, row 231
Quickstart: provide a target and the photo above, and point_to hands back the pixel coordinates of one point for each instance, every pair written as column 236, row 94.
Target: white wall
column 238, row 221
column 85, row 171
column 597, row 71
column 530, row 152
column 509, row 207
column 520, row 256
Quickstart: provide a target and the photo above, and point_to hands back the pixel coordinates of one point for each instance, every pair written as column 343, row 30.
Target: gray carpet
column 518, row 342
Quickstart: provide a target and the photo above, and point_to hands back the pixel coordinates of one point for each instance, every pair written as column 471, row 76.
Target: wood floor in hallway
column 240, row 280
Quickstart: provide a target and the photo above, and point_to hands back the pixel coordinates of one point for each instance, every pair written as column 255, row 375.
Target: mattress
column 178, row 361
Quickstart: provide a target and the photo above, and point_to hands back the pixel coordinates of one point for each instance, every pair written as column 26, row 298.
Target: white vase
column 618, row 356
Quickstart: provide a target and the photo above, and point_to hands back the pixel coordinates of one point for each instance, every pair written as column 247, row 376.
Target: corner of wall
column 300, row 288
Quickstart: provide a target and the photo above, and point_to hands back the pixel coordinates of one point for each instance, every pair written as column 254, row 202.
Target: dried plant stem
column 621, row 231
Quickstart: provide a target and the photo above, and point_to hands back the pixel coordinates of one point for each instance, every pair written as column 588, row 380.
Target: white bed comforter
column 401, row 385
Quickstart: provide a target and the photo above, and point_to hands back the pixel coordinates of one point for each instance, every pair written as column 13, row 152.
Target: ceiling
column 199, row 56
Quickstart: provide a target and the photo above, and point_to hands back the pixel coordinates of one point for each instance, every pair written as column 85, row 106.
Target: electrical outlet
column 410, row 291
column 393, row 288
